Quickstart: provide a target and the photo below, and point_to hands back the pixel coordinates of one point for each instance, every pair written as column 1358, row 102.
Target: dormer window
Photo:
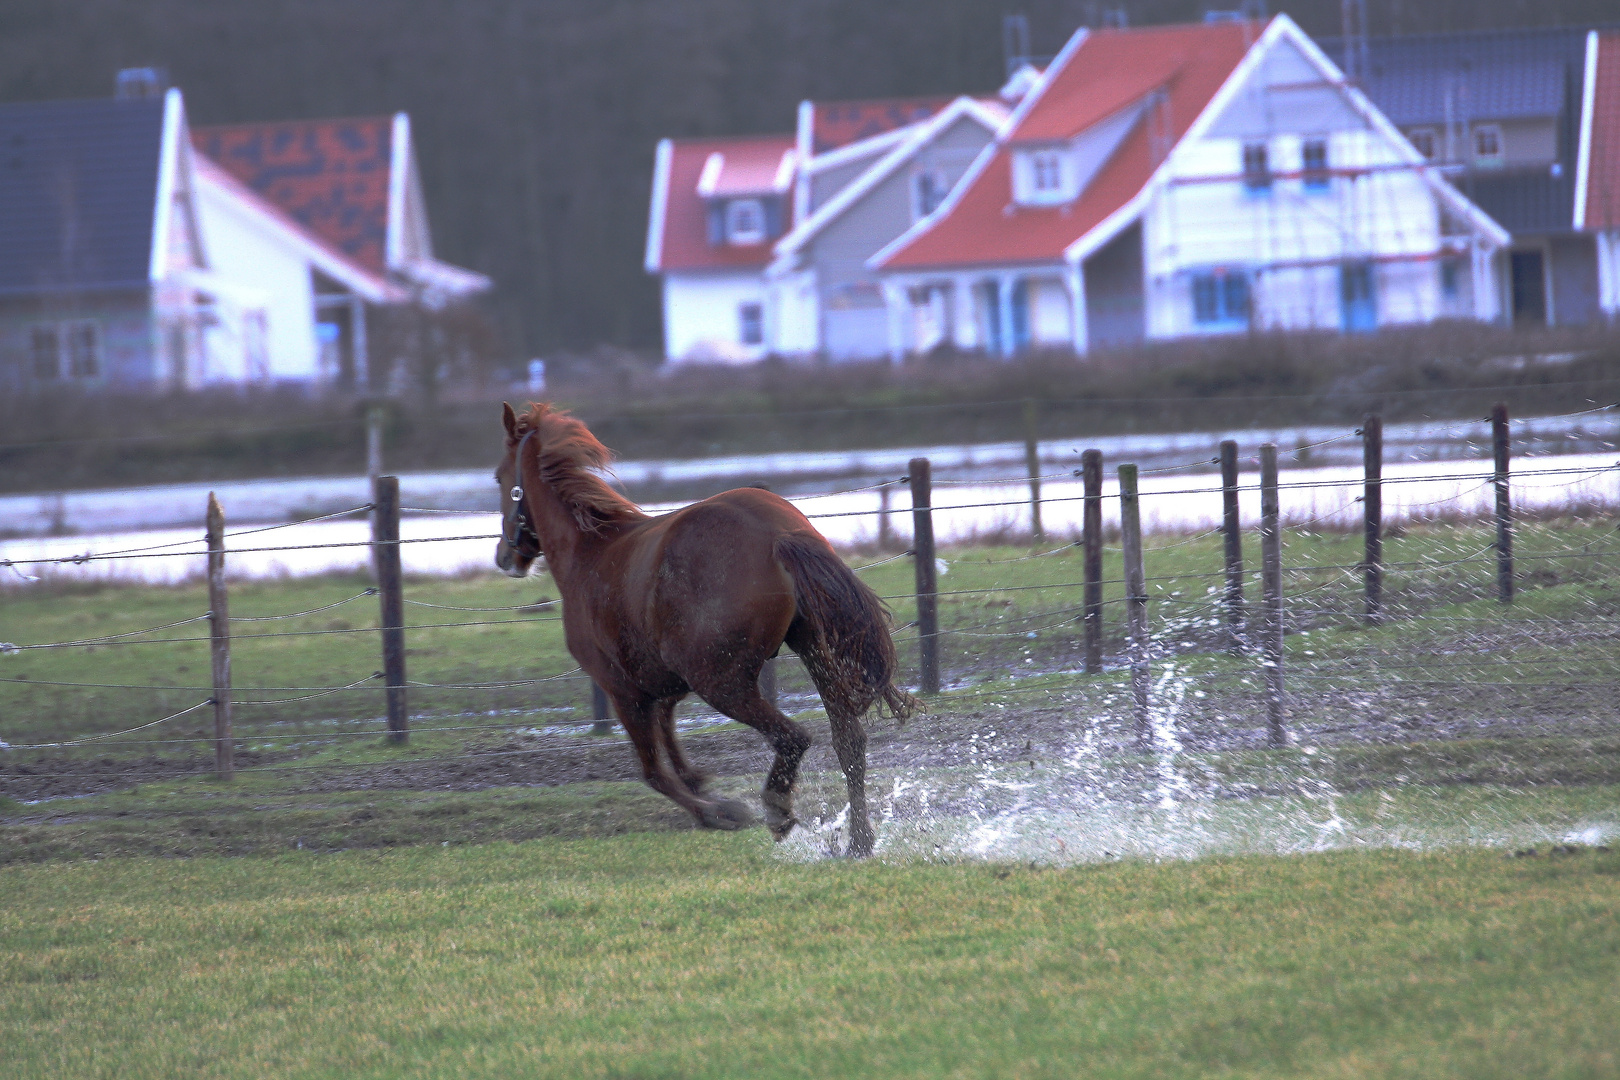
column 745, row 222
column 1424, row 142
column 1045, row 176
column 1047, row 171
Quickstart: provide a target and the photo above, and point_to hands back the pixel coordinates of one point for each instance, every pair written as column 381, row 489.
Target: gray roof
column 78, row 187
column 1500, row 90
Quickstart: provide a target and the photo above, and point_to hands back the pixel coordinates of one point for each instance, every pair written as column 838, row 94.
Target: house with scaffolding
column 1189, row 180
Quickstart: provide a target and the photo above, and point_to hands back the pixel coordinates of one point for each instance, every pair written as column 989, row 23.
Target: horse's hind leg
column 845, row 706
column 849, row 740
column 642, row 724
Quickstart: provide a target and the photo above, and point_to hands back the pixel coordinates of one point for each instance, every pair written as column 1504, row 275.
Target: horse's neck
column 570, row 550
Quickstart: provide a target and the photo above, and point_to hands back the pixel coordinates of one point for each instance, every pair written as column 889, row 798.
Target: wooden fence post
column 1372, row 500
column 1504, row 505
column 601, row 711
column 391, row 595
column 219, row 634
column 1271, row 587
column 1130, row 527
column 1091, row 538
column 1231, row 528
column 922, row 557
column 1032, row 463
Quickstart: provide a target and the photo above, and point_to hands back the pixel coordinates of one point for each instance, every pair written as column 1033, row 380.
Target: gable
column 332, row 176
column 78, row 193
column 1285, row 93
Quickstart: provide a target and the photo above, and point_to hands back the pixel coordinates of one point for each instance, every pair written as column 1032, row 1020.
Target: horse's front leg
column 641, row 723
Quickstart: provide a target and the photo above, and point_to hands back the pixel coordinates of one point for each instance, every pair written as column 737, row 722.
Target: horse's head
column 519, row 546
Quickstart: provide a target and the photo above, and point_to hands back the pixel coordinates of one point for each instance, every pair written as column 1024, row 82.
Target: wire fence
column 1373, row 619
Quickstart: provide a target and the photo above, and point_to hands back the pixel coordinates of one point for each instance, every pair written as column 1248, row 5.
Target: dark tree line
column 536, row 120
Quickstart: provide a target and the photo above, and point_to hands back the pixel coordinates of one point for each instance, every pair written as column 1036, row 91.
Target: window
column 1488, row 144
column 67, row 350
column 1221, row 299
column 47, row 353
column 1046, row 170
column 928, row 191
column 751, row 324
column 745, row 221
column 1256, row 167
column 1424, row 142
column 83, row 351
column 1316, row 173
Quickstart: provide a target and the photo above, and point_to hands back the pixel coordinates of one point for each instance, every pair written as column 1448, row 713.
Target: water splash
column 1093, row 801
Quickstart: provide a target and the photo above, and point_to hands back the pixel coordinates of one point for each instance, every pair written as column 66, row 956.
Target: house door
column 1529, row 288
column 1358, row 301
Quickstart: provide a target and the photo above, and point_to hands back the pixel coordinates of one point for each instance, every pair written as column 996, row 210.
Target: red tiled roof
column 330, row 175
column 1108, row 71
column 839, row 123
column 685, row 213
column 1603, row 162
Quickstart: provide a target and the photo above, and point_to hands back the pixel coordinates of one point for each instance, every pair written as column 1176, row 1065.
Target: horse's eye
column 517, row 494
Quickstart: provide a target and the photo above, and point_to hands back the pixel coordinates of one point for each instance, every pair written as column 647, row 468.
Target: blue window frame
column 1221, row 300
column 1316, row 175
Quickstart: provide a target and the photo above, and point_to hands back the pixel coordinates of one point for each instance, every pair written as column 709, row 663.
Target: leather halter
column 520, row 536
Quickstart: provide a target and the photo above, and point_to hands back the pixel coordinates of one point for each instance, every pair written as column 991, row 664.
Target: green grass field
column 701, row 955
column 1422, row 887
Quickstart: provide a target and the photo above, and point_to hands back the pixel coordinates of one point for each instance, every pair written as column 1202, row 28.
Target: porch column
column 1079, row 329
column 895, row 304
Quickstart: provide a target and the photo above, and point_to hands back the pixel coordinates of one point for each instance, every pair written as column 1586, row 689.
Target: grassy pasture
column 691, row 954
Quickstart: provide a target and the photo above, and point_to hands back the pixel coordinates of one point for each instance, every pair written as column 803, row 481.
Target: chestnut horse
column 696, row 601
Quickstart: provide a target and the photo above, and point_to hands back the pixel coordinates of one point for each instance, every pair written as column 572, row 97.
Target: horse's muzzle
column 510, row 562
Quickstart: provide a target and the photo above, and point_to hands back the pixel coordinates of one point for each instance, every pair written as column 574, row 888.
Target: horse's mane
column 568, row 454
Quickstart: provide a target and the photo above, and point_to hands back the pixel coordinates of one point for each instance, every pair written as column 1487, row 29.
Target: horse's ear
column 509, row 418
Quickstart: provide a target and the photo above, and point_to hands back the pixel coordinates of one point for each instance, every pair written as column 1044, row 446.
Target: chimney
column 142, row 82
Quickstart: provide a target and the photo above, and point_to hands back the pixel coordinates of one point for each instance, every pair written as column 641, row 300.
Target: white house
column 312, row 222
column 717, row 205
column 274, row 279
column 1185, row 180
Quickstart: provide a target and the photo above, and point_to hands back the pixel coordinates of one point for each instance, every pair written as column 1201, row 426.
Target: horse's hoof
column 778, row 814
column 727, row 815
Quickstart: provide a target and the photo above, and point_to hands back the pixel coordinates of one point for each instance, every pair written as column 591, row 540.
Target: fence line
column 1143, row 651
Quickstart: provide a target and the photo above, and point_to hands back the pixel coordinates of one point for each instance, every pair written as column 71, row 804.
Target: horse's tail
column 853, row 649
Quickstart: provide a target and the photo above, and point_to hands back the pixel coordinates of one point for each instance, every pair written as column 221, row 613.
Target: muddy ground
column 1040, row 729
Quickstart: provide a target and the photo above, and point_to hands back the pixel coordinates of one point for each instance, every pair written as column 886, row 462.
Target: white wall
column 1388, row 214
column 243, row 251
column 701, row 320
